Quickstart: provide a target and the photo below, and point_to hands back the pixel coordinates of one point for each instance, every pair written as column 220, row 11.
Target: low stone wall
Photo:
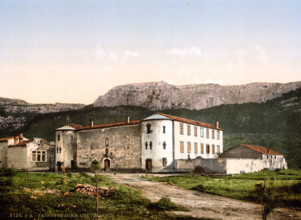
column 236, row 166
column 212, row 166
column 229, row 165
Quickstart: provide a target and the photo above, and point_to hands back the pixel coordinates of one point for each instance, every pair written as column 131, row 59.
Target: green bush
column 8, row 172
column 95, row 165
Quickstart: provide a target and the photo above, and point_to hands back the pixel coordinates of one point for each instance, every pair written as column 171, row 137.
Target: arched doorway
column 148, row 165
column 107, row 164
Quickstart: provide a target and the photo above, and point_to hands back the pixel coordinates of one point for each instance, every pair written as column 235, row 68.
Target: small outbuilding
column 248, row 158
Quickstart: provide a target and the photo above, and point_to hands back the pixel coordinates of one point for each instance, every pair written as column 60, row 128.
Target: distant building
column 32, row 155
column 152, row 144
column 240, row 159
column 262, row 158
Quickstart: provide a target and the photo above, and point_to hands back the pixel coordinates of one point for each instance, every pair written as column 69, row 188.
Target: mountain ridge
column 161, row 95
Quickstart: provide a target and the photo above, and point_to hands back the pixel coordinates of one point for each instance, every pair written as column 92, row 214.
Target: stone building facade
column 152, row 144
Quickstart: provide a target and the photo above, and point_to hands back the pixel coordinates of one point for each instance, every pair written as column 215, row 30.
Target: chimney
column 21, row 137
column 268, row 150
column 128, row 119
column 91, row 124
column 217, row 124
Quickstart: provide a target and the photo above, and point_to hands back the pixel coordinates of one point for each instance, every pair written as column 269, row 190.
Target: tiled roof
column 6, row 138
column 133, row 122
column 22, row 143
column 262, row 150
column 106, row 125
column 188, row 121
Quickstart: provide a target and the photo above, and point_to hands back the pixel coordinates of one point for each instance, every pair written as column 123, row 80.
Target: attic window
column 146, row 145
column 202, row 132
column 164, row 129
column 148, row 128
column 58, row 137
column 164, row 145
column 150, row 145
column 188, row 130
column 181, row 128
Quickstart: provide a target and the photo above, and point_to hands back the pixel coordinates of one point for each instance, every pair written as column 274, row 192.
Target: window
column 145, row 145
column 188, row 130
column 57, row 149
column 164, row 129
column 39, row 156
column 164, row 161
column 107, row 142
column 195, row 148
column 182, row 147
column 181, row 128
column 60, row 150
column 164, row 145
column 202, row 132
column 213, row 133
column 58, row 137
column 218, row 135
column 43, row 155
column 34, row 156
column 218, row 150
column 148, row 128
column 213, row 149
column 207, row 132
column 207, row 149
column 150, row 145
column 195, row 131
column 202, row 148
column 188, row 147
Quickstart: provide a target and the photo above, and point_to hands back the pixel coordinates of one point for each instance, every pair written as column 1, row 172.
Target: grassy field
column 42, row 195
column 272, row 189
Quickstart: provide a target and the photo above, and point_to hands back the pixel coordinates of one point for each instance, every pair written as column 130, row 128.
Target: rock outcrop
column 14, row 113
column 161, row 95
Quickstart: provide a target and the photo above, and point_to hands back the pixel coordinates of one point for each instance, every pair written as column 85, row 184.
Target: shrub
column 8, row 172
column 95, row 165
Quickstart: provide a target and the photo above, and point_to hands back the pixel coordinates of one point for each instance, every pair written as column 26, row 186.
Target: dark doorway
column 148, row 165
column 107, row 165
column 73, row 164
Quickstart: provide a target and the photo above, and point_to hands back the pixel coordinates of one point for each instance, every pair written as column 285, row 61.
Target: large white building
column 152, row 144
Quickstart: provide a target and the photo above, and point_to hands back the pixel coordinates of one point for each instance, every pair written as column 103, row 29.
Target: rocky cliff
column 14, row 113
column 161, row 95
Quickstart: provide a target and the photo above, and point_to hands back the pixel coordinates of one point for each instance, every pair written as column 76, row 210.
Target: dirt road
column 201, row 205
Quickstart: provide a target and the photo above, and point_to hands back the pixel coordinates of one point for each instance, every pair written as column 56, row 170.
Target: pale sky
column 73, row 51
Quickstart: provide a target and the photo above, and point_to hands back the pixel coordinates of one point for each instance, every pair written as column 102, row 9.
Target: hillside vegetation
column 275, row 124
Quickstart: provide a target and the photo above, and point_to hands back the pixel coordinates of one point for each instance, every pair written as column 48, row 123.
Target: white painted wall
column 20, row 157
column 196, row 139
column 67, row 153
column 157, row 137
